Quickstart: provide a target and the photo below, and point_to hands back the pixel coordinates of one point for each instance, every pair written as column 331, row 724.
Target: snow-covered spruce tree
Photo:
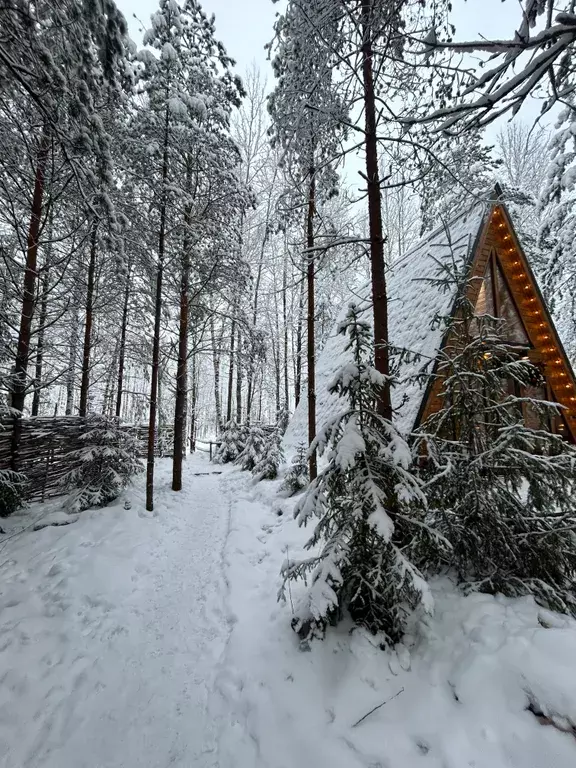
column 271, row 458
column 103, row 466
column 253, row 448
column 231, row 444
column 501, row 492
column 296, row 478
column 282, row 420
column 369, row 506
column 12, row 486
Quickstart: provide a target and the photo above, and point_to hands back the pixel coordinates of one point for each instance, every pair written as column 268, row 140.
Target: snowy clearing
column 135, row 640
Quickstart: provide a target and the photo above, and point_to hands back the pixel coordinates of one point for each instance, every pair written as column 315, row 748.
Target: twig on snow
column 378, row 707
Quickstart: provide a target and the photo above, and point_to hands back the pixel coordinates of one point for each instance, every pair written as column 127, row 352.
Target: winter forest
column 287, row 347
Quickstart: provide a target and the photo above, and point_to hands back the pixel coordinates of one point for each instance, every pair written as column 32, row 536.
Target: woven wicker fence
column 46, row 442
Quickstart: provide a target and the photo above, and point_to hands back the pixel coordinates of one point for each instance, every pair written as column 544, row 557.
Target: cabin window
column 485, row 301
column 513, row 325
column 494, row 299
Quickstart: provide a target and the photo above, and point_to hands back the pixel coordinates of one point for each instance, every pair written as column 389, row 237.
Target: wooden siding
column 498, row 237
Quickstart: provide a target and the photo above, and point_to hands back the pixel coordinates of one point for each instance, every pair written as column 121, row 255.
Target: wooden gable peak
column 498, row 251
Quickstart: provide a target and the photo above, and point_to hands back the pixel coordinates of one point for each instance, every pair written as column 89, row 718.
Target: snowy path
column 127, row 631
column 137, row 641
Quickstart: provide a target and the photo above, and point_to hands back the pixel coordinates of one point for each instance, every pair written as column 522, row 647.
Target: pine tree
column 12, row 488
column 231, row 443
column 61, row 61
column 308, row 122
column 500, row 491
column 12, row 484
column 369, row 508
column 253, row 448
column 271, row 458
column 186, row 126
column 296, row 478
column 102, row 467
column 282, row 420
column 370, row 43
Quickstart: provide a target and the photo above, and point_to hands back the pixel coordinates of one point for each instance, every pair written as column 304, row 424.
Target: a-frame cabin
column 479, row 242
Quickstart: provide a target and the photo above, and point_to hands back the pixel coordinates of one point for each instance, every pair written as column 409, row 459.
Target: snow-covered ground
column 137, row 641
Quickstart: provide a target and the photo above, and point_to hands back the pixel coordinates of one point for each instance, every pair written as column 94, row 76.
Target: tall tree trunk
column 260, row 398
column 378, row 277
column 18, row 385
column 122, row 350
column 276, row 354
column 182, row 366
column 239, row 379
column 285, row 326
column 216, row 363
column 311, row 263
column 160, row 416
column 193, row 399
column 298, row 354
column 30, row 275
column 157, row 320
column 107, row 405
column 71, row 374
column 277, row 370
column 40, row 345
column 85, row 384
column 251, row 367
column 231, row 367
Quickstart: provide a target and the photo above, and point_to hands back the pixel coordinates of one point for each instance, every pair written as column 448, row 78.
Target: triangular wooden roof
column 483, row 232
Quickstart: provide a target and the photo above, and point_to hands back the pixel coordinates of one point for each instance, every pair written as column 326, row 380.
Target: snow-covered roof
column 415, row 297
